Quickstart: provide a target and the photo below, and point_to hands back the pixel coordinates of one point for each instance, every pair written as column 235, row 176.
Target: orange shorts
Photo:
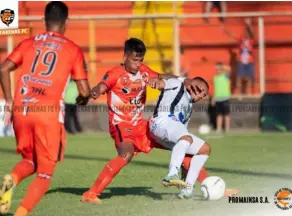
column 137, row 135
column 40, row 138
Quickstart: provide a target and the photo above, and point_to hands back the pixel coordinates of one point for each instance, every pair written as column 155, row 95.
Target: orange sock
column 35, row 192
column 20, row 211
column 110, row 170
column 22, row 170
column 203, row 173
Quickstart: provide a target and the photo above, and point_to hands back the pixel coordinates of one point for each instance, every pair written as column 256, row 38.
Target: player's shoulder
column 173, row 82
column 72, row 44
column 116, row 70
column 145, row 68
column 26, row 41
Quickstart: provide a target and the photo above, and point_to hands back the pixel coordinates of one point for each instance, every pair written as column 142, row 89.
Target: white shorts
column 168, row 130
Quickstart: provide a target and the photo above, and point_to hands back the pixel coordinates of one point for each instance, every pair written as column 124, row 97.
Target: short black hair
column 135, row 45
column 56, row 11
column 202, row 80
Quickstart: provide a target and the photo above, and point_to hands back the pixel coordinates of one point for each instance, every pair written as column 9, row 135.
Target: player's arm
column 98, row 90
column 6, row 67
column 79, row 75
column 109, row 80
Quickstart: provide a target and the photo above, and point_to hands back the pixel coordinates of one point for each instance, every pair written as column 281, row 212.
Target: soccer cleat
column 173, row 180
column 186, row 194
column 231, row 192
column 90, row 197
column 6, row 192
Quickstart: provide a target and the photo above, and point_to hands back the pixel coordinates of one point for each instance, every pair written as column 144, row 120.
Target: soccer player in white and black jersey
column 168, row 127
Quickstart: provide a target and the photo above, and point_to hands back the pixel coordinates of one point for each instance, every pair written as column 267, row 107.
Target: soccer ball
column 213, row 188
column 204, row 129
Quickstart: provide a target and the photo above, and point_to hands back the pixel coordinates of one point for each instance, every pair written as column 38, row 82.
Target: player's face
column 200, row 88
column 133, row 61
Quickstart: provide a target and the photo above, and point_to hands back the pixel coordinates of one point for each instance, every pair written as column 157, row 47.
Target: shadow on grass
column 115, row 191
column 165, row 165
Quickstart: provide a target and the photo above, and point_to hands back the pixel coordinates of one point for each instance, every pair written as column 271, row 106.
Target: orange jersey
column 48, row 62
column 126, row 94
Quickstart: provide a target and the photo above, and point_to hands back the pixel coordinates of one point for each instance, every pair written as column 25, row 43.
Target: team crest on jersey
column 126, row 90
column 7, row 16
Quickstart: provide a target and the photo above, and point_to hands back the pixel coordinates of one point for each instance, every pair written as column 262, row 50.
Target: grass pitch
column 257, row 164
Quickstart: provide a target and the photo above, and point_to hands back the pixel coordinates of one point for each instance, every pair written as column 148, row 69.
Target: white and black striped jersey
column 174, row 101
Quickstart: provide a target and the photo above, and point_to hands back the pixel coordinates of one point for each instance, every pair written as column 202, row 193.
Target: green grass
column 257, row 164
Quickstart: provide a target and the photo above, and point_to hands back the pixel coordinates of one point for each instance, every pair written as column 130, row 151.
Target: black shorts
column 223, row 107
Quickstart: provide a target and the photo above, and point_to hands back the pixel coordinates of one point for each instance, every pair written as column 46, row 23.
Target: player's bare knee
column 187, row 138
column 126, row 151
column 205, row 149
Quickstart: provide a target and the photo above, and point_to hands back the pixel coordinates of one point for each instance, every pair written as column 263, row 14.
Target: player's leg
column 22, row 169
column 49, row 144
column 185, row 168
column 38, row 187
column 177, row 157
column 126, row 152
column 200, row 151
column 178, row 140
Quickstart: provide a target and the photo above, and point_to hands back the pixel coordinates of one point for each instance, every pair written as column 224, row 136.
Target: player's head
column 56, row 15
column 201, row 86
column 219, row 67
column 134, row 52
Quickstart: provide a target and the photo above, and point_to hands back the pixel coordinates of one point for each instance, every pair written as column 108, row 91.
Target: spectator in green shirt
column 222, row 92
column 72, row 123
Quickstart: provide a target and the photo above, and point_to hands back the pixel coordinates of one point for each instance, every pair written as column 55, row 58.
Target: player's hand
column 154, row 83
column 8, row 112
column 80, row 100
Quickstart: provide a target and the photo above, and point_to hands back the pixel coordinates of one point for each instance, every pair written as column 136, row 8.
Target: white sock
column 177, row 156
column 197, row 163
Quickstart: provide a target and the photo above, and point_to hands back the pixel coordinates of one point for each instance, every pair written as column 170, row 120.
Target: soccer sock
column 110, row 170
column 203, row 172
column 35, row 192
column 177, row 156
column 197, row 163
column 22, row 170
column 202, row 175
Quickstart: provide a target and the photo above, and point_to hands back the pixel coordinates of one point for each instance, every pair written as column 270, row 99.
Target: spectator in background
column 221, row 6
column 221, row 96
column 72, row 124
column 245, row 65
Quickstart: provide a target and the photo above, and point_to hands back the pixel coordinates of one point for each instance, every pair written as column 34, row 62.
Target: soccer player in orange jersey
column 125, row 86
column 48, row 62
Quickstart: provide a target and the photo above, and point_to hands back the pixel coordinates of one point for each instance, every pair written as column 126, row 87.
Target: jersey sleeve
column 110, row 79
column 17, row 54
column 79, row 70
column 172, row 83
column 152, row 74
